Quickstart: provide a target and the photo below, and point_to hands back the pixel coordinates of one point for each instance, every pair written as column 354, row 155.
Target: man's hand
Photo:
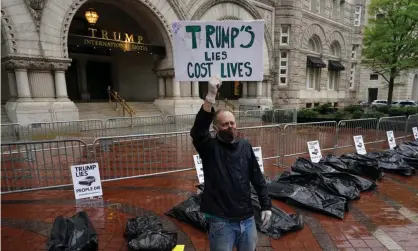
column 265, row 217
column 213, row 87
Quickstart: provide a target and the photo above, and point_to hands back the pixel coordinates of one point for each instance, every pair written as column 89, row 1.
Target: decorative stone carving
column 36, row 7
column 9, row 31
column 41, row 64
column 165, row 73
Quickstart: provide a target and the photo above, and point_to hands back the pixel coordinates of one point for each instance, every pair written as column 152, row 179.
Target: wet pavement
column 384, row 219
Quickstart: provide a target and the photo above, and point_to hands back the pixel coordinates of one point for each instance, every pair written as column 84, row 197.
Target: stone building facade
column 308, row 49
column 318, row 61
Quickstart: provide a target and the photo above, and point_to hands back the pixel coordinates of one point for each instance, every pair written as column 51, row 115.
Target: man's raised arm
column 200, row 130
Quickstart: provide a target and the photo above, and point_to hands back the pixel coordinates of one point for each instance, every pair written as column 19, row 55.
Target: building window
column 284, row 55
column 284, row 35
column 313, row 75
column 357, row 15
column 374, row 76
column 342, row 11
column 352, row 75
column 333, row 79
column 354, row 51
column 316, row 104
column 308, row 105
column 334, row 9
column 335, row 49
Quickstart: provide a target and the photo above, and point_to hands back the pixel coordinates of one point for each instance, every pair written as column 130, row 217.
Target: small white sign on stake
column 199, row 167
column 415, row 132
column 359, row 143
column 391, row 139
column 314, row 151
column 86, row 181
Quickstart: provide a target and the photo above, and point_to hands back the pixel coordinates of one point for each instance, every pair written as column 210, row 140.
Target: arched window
column 314, row 44
column 335, row 49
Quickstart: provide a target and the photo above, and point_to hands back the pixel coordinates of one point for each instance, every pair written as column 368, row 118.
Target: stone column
column 244, row 90
column 61, row 86
column 259, row 89
column 12, row 85
column 195, row 89
column 269, row 89
column 176, row 89
column 22, row 84
column 161, row 87
column 81, row 63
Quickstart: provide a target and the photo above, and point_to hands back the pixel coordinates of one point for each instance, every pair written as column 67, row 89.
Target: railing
column 119, row 100
column 45, row 164
column 229, row 104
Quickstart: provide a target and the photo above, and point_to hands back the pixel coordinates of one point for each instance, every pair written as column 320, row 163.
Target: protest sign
column 359, row 143
column 314, row 151
column 86, row 180
column 232, row 50
column 391, row 139
column 199, row 167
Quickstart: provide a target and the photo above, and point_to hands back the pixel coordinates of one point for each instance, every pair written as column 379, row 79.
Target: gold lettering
column 104, row 34
column 129, row 38
column 114, row 36
column 140, row 38
column 92, row 31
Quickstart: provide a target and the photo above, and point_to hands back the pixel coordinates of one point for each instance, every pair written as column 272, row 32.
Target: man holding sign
column 229, row 166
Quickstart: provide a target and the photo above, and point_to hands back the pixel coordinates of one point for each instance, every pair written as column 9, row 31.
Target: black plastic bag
column 73, row 234
column 355, row 164
column 154, row 241
column 306, row 166
column 311, row 198
column 409, row 154
column 333, row 186
column 189, row 211
column 362, row 184
column 280, row 221
column 412, row 143
column 391, row 161
column 136, row 226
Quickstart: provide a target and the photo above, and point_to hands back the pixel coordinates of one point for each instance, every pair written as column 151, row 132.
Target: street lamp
column 91, row 16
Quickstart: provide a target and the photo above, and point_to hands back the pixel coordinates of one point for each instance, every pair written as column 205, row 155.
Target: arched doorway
column 415, row 88
column 120, row 50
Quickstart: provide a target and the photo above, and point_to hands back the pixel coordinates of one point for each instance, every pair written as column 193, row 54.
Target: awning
column 315, row 62
column 335, row 66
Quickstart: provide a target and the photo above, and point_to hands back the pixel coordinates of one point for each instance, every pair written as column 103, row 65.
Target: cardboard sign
column 359, row 143
column 230, row 49
column 86, row 181
column 391, row 139
column 415, row 132
column 314, row 151
column 199, row 167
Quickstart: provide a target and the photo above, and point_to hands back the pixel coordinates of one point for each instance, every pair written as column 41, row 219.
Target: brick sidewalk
column 385, row 219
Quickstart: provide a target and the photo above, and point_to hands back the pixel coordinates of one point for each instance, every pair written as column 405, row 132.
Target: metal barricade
column 267, row 137
column 285, row 116
column 256, row 118
column 119, row 126
column 12, row 133
column 411, row 122
column 86, row 130
column 347, row 129
column 397, row 124
column 179, row 123
column 40, row 164
column 143, row 155
column 295, row 137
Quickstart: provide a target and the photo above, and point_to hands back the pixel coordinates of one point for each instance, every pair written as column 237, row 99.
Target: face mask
column 227, row 135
